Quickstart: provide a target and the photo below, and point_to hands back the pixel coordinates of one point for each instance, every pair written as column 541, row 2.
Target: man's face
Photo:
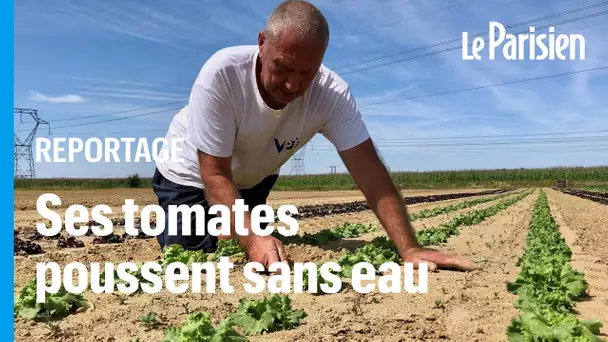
column 288, row 66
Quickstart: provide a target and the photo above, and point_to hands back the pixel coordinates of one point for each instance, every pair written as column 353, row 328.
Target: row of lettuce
column 547, row 286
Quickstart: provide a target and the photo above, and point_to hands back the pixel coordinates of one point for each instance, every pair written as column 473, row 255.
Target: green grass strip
column 547, row 286
column 343, row 231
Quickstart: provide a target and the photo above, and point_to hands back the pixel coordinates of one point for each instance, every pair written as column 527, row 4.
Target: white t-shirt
column 226, row 116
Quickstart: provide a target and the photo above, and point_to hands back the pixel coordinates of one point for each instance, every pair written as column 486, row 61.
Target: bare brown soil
column 459, row 306
column 584, row 225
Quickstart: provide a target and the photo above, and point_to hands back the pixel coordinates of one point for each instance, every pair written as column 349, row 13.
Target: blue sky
column 75, row 59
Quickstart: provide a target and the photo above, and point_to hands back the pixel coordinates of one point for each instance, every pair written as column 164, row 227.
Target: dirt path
column 588, row 219
column 584, row 225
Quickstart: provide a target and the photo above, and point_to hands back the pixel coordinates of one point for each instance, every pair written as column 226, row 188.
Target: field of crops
column 541, row 255
column 543, row 177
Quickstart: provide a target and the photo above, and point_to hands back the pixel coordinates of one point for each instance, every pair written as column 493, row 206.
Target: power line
column 486, row 86
column 599, row 148
column 480, row 34
column 383, row 141
column 398, row 143
column 403, row 20
column 457, row 47
column 493, row 136
column 23, row 162
column 119, row 112
column 118, row 119
column 97, row 134
column 491, row 146
column 217, row 46
column 393, row 62
column 298, row 162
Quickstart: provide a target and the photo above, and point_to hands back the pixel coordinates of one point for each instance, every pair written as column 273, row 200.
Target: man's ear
column 261, row 40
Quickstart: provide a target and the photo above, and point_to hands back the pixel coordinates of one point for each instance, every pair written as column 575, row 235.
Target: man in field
column 251, row 108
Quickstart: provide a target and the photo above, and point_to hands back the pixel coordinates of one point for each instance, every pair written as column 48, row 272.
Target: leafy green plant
column 269, row 314
column 441, row 233
column 149, row 320
column 252, row 317
column 56, row 305
column 547, row 286
column 177, row 253
column 382, row 250
column 353, row 230
column 344, row 231
column 374, row 253
column 198, row 328
column 436, row 211
column 227, row 248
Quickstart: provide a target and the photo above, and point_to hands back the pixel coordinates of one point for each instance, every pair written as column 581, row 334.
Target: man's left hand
column 437, row 260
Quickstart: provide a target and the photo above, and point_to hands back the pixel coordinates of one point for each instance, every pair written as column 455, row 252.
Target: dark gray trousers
column 170, row 193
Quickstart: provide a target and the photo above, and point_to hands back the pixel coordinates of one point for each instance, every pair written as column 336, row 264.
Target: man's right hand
column 266, row 250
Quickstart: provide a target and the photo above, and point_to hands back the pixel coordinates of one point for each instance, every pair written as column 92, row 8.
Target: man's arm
column 216, row 174
column 384, row 199
column 211, row 130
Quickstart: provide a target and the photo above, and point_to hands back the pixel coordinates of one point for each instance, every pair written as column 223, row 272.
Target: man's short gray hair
column 300, row 16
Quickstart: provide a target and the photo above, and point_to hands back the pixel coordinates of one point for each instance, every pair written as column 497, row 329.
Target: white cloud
column 70, row 98
column 136, row 94
column 128, row 25
column 178, row 26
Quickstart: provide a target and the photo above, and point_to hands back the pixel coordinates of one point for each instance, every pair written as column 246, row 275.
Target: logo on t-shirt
column 286, row 144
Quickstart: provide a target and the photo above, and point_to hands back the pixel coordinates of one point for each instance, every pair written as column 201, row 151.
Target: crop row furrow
column 382, row 250
column 352, row 230
column 319, row 210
